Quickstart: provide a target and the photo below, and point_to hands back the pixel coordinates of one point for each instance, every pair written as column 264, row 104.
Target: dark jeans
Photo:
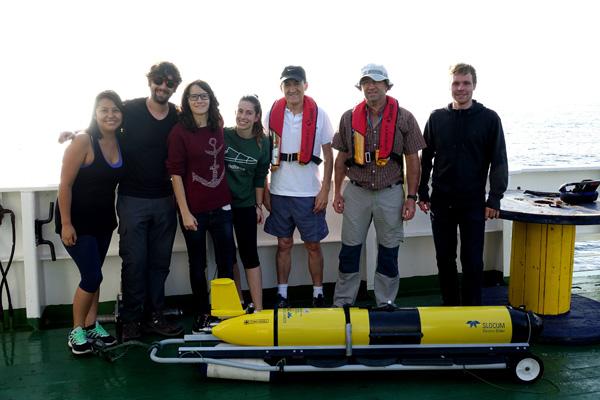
column 470, row 219
column 219, row 224
column 147, row 230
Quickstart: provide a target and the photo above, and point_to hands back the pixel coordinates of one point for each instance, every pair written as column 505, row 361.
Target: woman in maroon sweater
column 197, row 168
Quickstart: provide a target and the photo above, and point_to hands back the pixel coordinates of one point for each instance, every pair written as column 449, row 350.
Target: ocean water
column 587, row 257
column 553, row 136
column 557, row 136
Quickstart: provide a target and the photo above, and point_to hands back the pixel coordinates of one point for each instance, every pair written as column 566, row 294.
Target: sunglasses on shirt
column 159, row 80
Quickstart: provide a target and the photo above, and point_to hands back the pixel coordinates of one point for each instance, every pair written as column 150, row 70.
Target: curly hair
column 164, row 69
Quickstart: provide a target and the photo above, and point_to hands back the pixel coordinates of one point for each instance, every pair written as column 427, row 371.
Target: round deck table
column 542, row 250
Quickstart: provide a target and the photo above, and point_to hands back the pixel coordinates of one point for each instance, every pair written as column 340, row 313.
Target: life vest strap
column 371, row 156
column 294, row 157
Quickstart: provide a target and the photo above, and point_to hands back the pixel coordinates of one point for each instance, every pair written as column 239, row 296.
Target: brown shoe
column 131, row 331
column 160, row 325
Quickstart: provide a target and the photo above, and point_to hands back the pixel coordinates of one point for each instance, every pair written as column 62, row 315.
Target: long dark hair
column 258, row 130
column 214, row 122
column 93, row 129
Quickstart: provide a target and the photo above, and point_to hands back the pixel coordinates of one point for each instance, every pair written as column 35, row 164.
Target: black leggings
column 244, row 224
column 88, row 253
column 218, row 224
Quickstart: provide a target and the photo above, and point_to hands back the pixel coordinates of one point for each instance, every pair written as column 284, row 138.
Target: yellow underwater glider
column 260, row 345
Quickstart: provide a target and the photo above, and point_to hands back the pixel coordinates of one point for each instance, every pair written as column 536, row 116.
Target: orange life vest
column 309, row 130
column 387, row 131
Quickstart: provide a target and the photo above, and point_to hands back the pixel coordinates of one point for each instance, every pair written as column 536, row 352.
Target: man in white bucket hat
column 374, row 140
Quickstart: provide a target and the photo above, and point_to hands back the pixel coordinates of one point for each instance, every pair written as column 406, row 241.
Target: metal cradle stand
column 222, row 360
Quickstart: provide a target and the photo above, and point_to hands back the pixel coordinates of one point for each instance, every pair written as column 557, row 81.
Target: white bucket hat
column 376, row 72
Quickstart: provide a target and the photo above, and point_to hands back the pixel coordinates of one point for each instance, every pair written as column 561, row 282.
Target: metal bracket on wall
column 39, row 238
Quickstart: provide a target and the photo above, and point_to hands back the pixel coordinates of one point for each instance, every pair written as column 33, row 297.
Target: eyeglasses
column 200, row 96
column 159, row 81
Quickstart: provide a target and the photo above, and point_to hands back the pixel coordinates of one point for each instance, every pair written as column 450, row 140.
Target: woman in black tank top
column 85, row 216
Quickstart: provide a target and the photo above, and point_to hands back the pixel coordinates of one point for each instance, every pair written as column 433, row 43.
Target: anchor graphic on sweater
column 216, row 179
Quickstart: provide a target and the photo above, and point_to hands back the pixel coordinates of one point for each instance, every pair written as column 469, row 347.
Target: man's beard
column 160, row 99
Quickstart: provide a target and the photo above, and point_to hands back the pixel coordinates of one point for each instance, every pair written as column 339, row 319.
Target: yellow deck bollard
column 541, row 267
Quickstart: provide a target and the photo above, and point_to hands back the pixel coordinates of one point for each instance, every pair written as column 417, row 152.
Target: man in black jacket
column 467, row 141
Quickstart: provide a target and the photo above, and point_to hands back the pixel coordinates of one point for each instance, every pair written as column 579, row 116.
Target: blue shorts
column 289, row 213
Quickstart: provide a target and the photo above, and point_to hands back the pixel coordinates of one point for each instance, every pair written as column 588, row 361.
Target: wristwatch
column 412, row 196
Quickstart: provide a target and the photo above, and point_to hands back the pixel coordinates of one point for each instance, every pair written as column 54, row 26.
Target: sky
column 57, row 55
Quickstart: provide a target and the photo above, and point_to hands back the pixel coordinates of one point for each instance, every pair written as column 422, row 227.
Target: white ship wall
column 35, row 281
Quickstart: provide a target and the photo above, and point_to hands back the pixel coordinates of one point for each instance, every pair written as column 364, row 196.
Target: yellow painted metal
column 296, row 326
column 225, row 301
column 327, row 326
column 247, row 330
column 449, row 325
column 541, row 267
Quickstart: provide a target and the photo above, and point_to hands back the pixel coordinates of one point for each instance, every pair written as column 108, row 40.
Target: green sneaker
column 99, row 334
column 78, row 341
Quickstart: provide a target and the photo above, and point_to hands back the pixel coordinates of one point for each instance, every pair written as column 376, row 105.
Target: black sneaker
column 282, row 302
column 78, row 342
column 201, row 322
column 98, row 335
column 131, row 331
column 318, row 302
column 159, row 324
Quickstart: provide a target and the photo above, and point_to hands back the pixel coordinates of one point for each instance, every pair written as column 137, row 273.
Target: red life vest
column 309, row 130
column 387, row 131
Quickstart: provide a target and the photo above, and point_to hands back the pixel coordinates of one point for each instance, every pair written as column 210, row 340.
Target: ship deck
column 38, row 365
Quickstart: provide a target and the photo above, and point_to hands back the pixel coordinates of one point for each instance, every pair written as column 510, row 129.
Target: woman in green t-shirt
column 247, row 163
